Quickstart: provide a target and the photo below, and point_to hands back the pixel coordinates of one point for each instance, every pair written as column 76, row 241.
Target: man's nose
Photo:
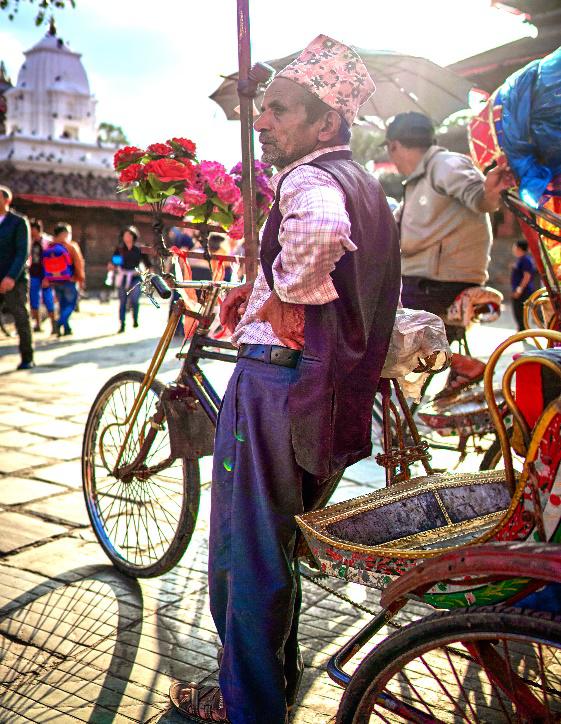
column 260, row 123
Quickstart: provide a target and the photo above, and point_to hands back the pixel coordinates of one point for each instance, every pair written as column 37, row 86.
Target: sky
column 153, row 65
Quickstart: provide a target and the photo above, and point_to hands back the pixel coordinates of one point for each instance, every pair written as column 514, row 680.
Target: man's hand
column 6, row 285
column 234, row 305
column 497, row 180
column 287, row 321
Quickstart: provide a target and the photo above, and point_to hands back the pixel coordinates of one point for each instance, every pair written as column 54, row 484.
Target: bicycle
column 142, row 442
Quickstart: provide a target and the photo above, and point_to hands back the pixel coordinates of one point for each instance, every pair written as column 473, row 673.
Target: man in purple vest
column 312, row 340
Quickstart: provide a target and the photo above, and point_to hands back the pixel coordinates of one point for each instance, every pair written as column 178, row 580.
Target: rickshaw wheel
column 491, row 664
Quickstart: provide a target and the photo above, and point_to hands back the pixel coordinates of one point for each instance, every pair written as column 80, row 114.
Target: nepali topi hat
column 334, row 73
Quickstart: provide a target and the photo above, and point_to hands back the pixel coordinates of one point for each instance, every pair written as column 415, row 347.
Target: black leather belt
column 271, row 354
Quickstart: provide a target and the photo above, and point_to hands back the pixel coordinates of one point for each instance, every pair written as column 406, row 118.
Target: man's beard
column 270, row 154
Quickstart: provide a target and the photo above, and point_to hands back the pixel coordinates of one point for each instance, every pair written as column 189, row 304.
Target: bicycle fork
column 158, row 418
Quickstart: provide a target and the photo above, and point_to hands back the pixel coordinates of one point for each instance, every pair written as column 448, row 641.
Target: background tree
column 112, row 135
column 366, row 140
column 45, row 8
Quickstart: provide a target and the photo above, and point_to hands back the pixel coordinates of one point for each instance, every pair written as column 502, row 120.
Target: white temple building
column 50, row 120
column 50, row 157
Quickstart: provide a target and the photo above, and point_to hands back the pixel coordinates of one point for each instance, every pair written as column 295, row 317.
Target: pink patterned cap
column 334, row 73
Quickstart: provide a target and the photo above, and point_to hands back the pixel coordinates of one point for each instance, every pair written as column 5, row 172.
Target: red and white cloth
column 314, row 234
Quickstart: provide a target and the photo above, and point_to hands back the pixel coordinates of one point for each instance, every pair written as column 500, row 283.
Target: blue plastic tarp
column 531, row 124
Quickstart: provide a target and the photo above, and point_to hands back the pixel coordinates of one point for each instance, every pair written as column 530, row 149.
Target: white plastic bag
column 416, row 336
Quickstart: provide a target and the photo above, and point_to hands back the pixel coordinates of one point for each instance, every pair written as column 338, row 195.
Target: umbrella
column 403, row 83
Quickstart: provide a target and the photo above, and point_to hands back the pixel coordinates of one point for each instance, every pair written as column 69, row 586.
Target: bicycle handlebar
column 206, row 284
column 160, row 286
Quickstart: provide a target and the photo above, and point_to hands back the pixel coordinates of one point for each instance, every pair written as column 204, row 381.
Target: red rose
column 159, row 149
column 184, row 145
column 167, row 169
column 131, row 173
column 127, row 155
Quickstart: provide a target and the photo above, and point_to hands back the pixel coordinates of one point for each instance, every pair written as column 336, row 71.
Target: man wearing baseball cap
column 445, row 230
column 312, row 339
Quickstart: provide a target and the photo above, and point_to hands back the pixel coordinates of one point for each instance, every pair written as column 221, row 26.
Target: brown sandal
column 198, row 703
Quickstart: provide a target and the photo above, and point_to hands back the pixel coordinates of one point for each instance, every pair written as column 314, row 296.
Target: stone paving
column 78, row 640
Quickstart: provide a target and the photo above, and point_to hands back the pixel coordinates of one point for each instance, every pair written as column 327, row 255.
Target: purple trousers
column 257, row 489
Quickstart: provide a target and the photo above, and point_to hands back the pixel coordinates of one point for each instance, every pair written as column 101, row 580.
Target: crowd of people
column 35, row 269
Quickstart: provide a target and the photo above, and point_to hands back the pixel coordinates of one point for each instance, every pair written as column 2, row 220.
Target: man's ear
column 330, row 126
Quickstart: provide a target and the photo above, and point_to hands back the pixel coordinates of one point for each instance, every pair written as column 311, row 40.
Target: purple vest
column 346, row 341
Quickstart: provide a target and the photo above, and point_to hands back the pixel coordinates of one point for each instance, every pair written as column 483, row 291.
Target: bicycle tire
column 492, row 456
column 479, row 626
column 125, row 516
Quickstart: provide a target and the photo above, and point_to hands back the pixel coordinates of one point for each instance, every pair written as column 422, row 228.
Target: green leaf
column 155, row 182
column 220, row 204
column 223, row 219
column 198, row 214
column 139, row 195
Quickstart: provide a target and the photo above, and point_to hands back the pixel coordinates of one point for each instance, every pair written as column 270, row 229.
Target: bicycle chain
column 316, row 580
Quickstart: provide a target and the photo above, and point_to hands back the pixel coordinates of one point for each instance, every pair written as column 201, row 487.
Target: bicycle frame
column 190, row 377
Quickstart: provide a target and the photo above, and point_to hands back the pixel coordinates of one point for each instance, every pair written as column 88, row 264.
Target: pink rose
column 210, row 170
column 193, row 197
column 236, row 232
column 237, row 208
column 228, row 193
column 175, row 206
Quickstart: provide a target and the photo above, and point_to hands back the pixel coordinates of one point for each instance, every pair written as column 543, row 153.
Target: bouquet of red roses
column 169, row 178
column 162, row 170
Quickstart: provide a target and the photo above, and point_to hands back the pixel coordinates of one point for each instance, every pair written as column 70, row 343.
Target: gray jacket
column 443, row 234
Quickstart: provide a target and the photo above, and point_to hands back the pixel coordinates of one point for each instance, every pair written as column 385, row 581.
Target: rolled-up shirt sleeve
column 314, row 234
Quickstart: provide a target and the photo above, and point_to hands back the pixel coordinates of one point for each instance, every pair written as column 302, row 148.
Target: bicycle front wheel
column 492, row 664
column 144, row 521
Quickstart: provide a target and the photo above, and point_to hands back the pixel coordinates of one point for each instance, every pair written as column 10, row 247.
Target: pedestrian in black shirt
column 14, row 287
column 126, row 261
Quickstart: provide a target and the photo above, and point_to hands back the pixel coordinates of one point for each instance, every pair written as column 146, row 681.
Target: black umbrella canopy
column 403, row 83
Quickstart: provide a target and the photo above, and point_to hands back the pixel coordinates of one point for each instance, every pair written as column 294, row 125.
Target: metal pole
column 246, row 117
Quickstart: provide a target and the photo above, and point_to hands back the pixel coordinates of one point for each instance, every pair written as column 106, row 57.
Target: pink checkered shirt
column 314, row 234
